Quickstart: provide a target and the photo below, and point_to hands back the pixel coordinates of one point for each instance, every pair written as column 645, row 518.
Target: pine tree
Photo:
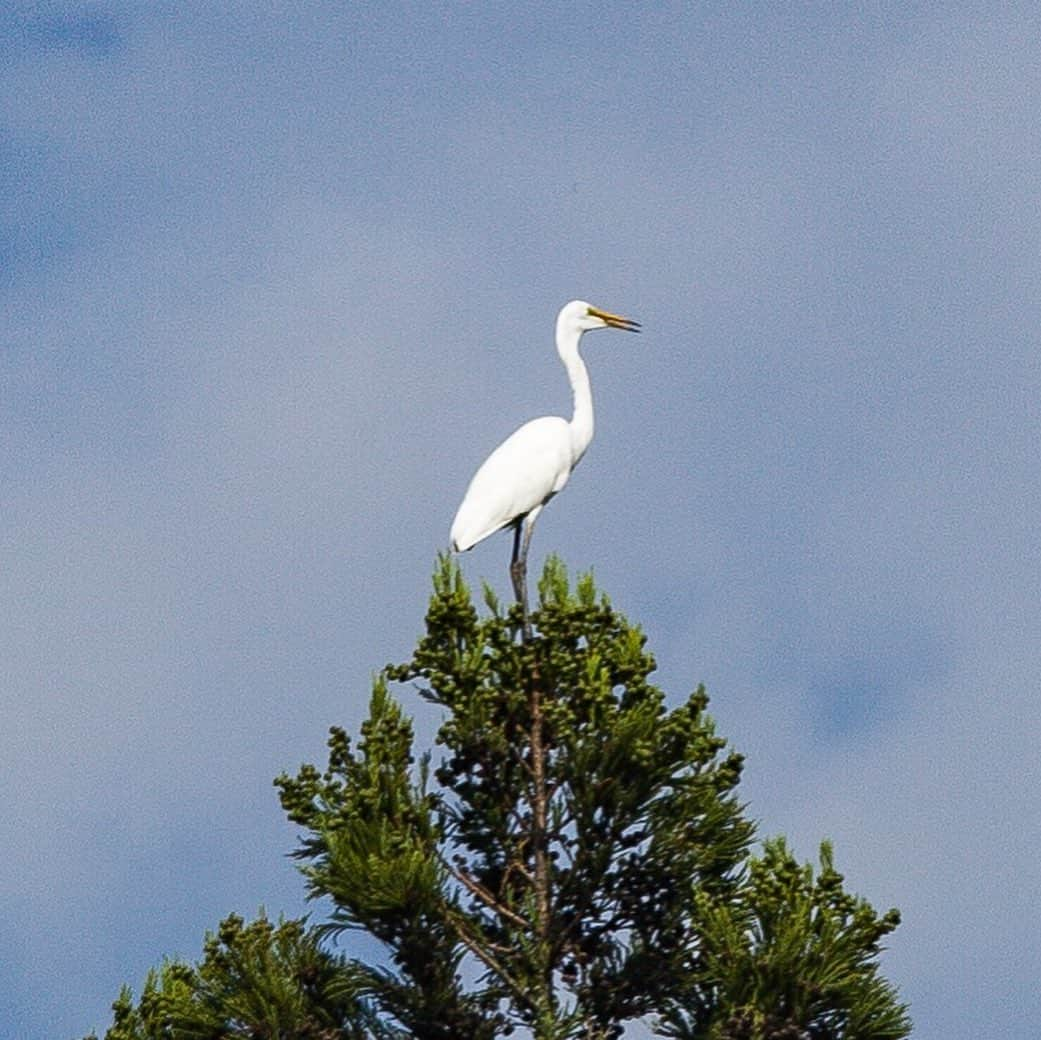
column 574, row 856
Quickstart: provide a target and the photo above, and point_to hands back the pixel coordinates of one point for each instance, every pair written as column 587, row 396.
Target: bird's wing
column 527, row 469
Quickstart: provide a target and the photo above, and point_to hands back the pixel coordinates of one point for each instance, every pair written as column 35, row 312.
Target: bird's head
column 579, row 316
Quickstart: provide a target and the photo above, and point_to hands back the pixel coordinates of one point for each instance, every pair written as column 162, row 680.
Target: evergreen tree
column 573, row 857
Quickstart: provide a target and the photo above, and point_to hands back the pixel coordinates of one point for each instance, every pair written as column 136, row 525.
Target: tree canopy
column 572, row 855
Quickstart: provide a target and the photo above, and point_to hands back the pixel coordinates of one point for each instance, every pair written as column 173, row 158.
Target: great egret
column 535, row 462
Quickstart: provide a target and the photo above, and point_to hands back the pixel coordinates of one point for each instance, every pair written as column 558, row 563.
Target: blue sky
column 274, row 282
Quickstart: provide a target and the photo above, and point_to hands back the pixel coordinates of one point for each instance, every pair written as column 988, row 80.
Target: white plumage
column 535, row 462
column 539, row 456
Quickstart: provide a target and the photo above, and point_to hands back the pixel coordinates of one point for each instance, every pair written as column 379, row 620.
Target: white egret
column 534, row 463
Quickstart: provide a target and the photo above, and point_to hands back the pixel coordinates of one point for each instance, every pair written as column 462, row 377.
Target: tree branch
column 539, row 831
column 477, row 889
column 475, row 946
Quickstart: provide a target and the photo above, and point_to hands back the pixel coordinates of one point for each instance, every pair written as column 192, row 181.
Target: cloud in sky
column 273, row 286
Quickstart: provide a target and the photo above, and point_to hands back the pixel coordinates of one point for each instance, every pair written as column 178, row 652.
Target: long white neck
column 582, row 420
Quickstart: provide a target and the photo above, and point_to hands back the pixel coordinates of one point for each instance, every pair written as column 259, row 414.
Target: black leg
column 518, row 570
column 519, row 566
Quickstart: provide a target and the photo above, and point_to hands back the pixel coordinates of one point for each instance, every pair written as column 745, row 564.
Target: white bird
column 535, row 462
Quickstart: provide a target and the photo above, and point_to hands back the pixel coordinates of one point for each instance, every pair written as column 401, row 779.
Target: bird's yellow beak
column 616, row 321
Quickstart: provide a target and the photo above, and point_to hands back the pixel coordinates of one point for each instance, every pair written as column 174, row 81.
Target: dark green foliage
column 572, row 857
column 256, row 980
column 637, row 804
column 373, row 848
column 793, row 956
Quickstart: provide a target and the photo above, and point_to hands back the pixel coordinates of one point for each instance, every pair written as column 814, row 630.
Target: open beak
column 616, row 321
